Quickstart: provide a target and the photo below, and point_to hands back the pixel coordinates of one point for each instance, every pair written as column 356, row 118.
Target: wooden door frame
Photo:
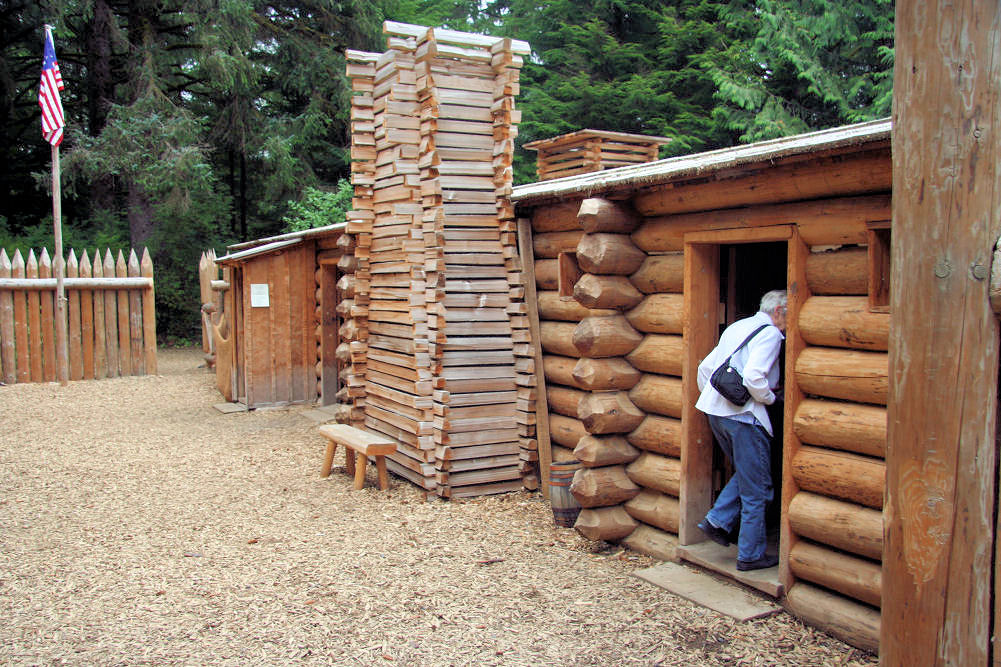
column 700, row 333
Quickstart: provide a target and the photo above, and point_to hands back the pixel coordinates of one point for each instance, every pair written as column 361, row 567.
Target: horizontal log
column 550, row 244
column 847, row 426
column 557, row 338
column 659, row 353
column 661, row 435
column 603, row 215
column 660, row 273
column 655, row 508
column 608, row 254
column 858, row 479
column 602, row 487
column 843, row 321
column 855, row 577
column 594, row 451
column 562, row 454
column 563, row 400
column 842, row 175
column 608, row 374
column 847, row 374
column 658, row 313
column 837, row 523
column 652, row 542
column 660, row 394
column 836, row 221
column 599, row 337
column 608, row 412
column 613, row 292
column 547, row 274
column 566, row 431
column 45, row 284
column 565, row 309
column 560, row 370
column 838, row 272
column 559, row 217
column 605, row 523
column 851, row 622
column 653, row 471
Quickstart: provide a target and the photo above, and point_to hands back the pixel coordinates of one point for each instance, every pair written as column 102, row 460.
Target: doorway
column 729, row 272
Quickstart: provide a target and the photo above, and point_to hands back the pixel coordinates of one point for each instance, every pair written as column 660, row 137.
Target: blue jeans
column 749, row 491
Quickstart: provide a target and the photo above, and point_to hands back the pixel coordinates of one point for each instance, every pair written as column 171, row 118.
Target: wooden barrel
column 565, row 506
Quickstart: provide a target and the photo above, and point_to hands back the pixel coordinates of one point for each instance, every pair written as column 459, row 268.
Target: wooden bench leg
column 361, row 461
column 380, row 465
column 328, row 459
column 349, row 461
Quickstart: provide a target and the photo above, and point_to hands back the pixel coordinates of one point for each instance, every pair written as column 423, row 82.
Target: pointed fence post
column 100, row 335
column 124, row 342
column 111, row 318
column 7, row 354
column 87, row 319
column 149, row 315
column 74, row 340
column 20, row 322
column 135, row 318
column 49, row 370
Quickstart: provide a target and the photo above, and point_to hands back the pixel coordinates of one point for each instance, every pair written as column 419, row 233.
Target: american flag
column 48, row 94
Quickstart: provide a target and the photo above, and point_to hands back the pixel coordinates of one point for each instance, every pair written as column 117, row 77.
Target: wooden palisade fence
column 111, row 317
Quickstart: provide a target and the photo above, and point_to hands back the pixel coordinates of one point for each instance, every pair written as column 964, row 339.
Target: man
column 744, row 431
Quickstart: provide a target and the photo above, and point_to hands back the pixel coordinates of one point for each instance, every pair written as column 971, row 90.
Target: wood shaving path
column 139, row 525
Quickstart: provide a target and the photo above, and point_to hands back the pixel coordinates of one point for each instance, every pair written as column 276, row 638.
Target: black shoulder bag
column 728, row 381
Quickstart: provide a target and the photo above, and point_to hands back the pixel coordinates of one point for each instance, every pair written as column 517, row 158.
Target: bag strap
column 746, row 341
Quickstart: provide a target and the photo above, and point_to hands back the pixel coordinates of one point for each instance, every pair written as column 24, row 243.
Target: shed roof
column 316, row 232
column 256, row 251
column 686, row 166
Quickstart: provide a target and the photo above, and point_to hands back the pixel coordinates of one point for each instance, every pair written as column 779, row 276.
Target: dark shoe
column 717, row 535
column 760, row 564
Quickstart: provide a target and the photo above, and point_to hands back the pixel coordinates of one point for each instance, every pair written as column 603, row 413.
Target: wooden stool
column 363, row 444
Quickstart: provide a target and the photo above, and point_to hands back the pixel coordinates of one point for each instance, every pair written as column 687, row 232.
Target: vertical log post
column 942, row 416
column 149, row 313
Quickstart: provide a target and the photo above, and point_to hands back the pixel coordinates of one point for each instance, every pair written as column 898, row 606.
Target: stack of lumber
column 354, row 285
column 585, row 151
column 437, row 259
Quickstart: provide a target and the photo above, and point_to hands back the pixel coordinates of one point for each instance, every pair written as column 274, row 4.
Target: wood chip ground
column 138, row 525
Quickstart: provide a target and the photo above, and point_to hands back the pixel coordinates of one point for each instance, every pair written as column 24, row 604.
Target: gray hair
column 771, row 301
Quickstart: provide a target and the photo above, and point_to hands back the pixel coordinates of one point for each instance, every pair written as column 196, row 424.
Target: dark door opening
column 747, row 271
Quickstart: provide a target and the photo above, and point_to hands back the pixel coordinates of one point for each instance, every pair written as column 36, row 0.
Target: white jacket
column 757, row 362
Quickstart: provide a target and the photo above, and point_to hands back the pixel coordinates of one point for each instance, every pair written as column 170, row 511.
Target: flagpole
column 60, row 267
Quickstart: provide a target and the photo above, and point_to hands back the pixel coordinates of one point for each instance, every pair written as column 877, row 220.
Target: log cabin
column 276, row 338
column 638, row 270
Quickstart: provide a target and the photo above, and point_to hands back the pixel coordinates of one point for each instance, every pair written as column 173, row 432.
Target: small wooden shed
column 276, row 340
column 638, row 269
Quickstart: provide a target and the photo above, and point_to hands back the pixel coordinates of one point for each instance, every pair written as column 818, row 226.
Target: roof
column 541, row 144
column 247, row 249
column 452, row 37
column 259, row 250
column 676, row 168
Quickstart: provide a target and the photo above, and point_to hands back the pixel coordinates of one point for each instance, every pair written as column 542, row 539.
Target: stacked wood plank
column 437, row 263
column 592, row 150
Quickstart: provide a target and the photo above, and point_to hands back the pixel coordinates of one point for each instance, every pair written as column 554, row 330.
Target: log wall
column 616, row 351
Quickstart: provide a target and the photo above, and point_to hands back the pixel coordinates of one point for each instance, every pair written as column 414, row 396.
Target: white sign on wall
column 259, row 295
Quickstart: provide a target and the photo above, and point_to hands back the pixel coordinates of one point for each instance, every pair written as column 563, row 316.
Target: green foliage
column 797, row 66
column 319, row 208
